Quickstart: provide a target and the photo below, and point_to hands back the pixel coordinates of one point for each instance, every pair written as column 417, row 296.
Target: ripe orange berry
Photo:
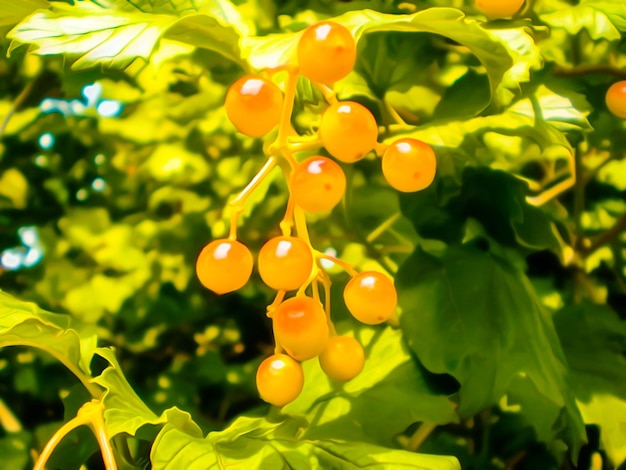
column 317, row 184
column 285, row 263
column 224, row 266
column 370, row 297
column 326, row 52
column 279, row 379
column 301, row 327
column 343, row 359
column 253, row 104
column 494, row 9
column 616, row 99
column 409, row 165
column 348, row 131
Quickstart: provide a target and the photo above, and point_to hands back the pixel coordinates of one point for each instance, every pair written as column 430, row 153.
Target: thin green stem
column 383, row 227
column 419, row 436
column 284, row 125
column 8, row 420
column 237, row 204
column 21, row 98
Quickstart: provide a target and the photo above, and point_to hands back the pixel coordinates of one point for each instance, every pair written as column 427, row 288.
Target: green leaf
column 440, row 211
column 603, row 19
column 354, row 410
column 125, row 411
column 12, row 12
column 114, row 34
column 25, row 324
column 263, row 443
column 172, row 162
column 14, row 186
column 275, row 50
column 14, row 450
column 560, row 113
column 471, row 315
column 102, row 294
column 520, row 45
column 594, row 342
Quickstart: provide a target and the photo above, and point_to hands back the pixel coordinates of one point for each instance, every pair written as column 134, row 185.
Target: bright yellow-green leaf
column 14, row 186
column 12, row 12
column 263, row 443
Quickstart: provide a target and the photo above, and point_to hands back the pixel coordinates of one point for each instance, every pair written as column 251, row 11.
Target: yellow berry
column 348, row 131
column 253, row 104
column 224, row 266
column 343, row 359
column 494, row 9
column 285, row 263
column 301, row 327
column 616, row 99
column 279, row 379
column 317, row 184
column 409, row 165
column 370, row 297
column 326, row 52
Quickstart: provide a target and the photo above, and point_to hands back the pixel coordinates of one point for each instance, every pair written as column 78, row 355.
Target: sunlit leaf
column 264, row 443
column 353, row 410
column 603, row 19
column 111, row 36
column 25, row 324
column 125, row 411
column 14, row 187
column 275, row 50
column 12, row 12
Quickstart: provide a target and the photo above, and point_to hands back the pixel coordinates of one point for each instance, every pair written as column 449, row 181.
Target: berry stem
column 305, row 145
column 325, row 280
column 301, row 226
column 286, row 225
column 315, row 289
column 237, row 204
column 280, row 295
column 346, row 266
column 380, row 149
column 329, row 94
column 284, row 125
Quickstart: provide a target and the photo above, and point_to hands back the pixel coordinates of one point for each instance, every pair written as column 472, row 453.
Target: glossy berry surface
column 494, row 9
column 348, row 131
column 300, row 327
column 317, row 184
column 409, row 165
column 370, row 297
column 224, row 266
column 326, row 52
column 343, row 359
column 285, row 263
column 616, row 99
column 279, row 379
column 253, row 104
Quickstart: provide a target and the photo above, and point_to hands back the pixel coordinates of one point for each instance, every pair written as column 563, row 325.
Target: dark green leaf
column 594, row 342
column 471, row 315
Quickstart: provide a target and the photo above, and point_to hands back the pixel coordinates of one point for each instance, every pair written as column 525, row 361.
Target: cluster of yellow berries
column 256, row 105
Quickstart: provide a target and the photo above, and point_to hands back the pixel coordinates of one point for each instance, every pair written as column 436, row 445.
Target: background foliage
column 117, row 160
